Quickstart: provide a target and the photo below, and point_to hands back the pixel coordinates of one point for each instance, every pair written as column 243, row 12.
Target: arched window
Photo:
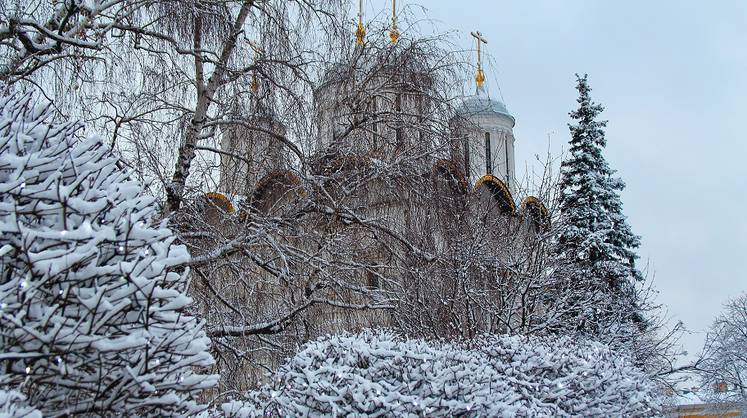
column 421, row 127
column 488, row 158
column 375, row 122
column 508, row 163
column 465, row 149
column 398, row 136
column 375, row 114
column 373, row 280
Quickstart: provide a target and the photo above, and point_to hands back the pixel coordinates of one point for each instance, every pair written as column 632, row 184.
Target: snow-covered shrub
column 379, row 374
column 91, row 306
column 13, row 405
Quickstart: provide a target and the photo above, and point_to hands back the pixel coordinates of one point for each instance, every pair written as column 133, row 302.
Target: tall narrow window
column 466, row 148
column 488, row 158
column 373, row 280
column 374, row 115
column 398, row 137
column 421, row 126
column 508, row 167
column 375, row 118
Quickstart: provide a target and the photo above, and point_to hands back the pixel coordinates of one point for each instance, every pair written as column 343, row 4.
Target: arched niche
column 220, row 201
column 447, row 170
column 499, row 192
column 534, row 211
column 277, row 189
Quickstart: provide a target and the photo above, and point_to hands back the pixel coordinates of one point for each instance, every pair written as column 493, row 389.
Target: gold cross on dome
column 360, row 33
column 394, row 33
column 480, row 76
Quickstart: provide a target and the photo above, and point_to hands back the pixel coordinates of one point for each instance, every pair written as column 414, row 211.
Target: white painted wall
column 500, row 128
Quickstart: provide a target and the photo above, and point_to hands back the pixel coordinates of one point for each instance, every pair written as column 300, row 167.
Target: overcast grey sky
column 673, row 78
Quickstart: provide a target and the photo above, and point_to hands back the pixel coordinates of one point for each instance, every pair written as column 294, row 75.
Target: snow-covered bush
column 91, row 304
column 13, row 405
column 379, row 374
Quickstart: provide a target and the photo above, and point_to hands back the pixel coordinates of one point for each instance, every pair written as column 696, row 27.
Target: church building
column 391, row 185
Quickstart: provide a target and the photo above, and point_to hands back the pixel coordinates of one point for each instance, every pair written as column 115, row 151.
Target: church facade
column 369, row 228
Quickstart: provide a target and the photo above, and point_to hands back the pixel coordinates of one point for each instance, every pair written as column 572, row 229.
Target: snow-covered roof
column 481, row 104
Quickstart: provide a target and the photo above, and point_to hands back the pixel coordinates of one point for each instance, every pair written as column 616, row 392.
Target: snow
column 594, row 248
column 93, row 319
column 13, row 405
column 380, row 374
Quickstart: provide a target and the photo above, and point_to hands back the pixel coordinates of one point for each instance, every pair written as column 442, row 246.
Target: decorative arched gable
column 446, row 169
column 273, row 187
column 534, row 210
column 499, row 191
column 220, row 201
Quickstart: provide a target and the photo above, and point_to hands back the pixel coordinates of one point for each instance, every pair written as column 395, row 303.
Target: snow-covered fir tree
column 596, row 247
column 92, row 302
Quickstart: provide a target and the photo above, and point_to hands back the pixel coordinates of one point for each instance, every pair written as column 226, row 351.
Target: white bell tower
column 484, row 136
column 487, row 136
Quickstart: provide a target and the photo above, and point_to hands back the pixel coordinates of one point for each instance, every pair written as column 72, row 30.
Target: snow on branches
column 92, row 318
column 723, row 368
column 595, row 245
column 597, row 236
column 13, row 405
column 379, row 374
column 37, row 33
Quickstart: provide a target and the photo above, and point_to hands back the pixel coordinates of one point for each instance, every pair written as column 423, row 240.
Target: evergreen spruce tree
column 92, row 305
column 596, row 247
